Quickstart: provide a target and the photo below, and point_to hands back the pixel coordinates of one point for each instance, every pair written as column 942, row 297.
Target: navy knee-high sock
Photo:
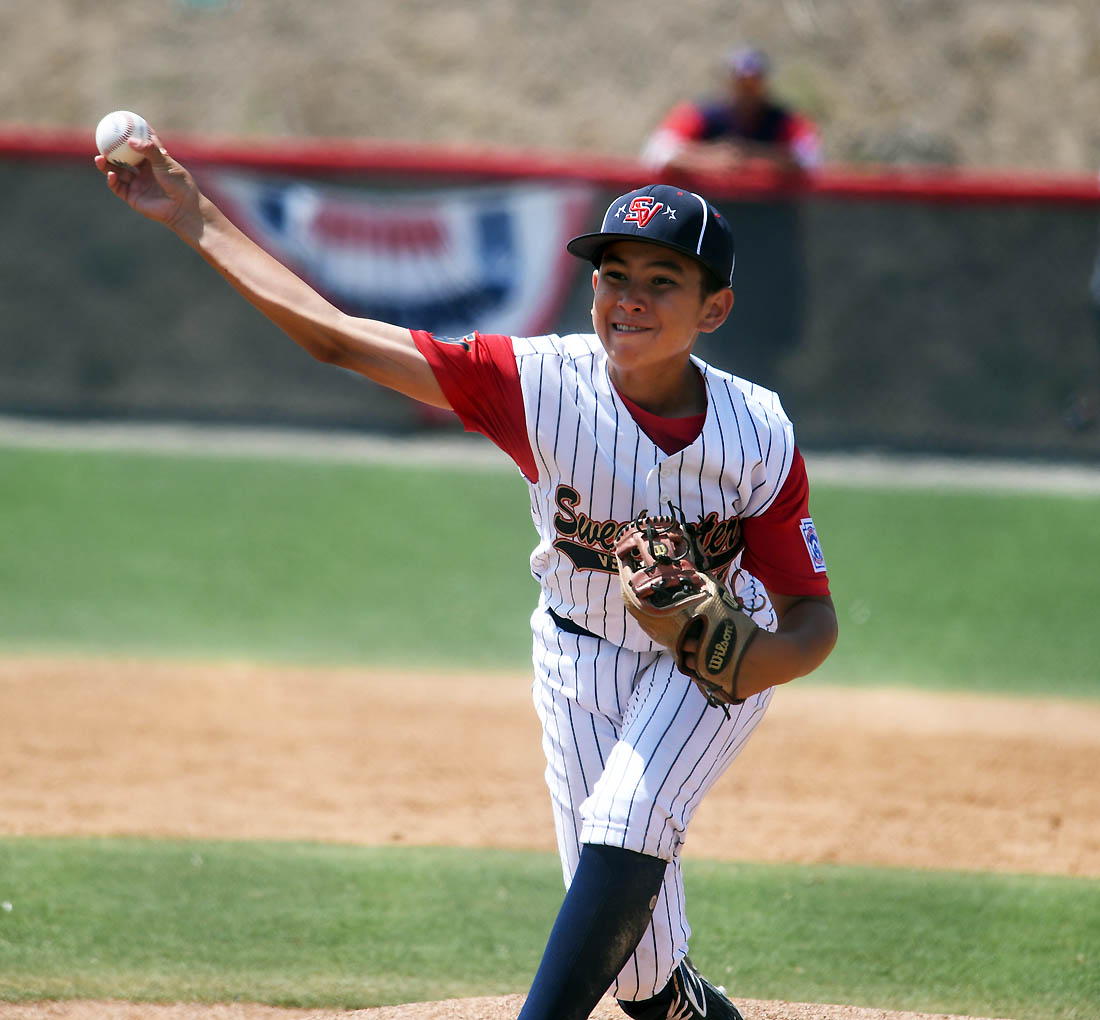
column 605, row 913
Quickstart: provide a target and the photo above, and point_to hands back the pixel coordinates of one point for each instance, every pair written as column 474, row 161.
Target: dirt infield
column 242, row 751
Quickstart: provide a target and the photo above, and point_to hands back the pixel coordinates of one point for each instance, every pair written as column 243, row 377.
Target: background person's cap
column 668, row 216
column 748, row 60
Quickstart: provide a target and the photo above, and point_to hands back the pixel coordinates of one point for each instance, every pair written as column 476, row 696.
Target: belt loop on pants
column 564, row 623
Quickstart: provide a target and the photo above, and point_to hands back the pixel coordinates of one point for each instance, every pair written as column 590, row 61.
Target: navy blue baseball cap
column 668, row 216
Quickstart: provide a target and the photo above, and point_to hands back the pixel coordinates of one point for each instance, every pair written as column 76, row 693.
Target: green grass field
column 300, row 924
column 336, row 562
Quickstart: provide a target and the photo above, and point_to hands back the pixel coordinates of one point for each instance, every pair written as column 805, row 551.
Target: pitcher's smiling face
column 649, row 307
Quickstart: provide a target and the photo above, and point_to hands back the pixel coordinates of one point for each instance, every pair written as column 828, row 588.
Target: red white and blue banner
column 450, row 261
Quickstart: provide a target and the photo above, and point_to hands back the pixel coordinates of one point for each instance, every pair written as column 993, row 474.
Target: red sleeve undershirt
column 778, row 542
column 479, row 378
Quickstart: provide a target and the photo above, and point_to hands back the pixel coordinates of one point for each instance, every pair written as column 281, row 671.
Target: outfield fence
column 911, row 310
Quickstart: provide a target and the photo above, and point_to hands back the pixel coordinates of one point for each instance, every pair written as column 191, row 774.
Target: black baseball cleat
column 687, row 996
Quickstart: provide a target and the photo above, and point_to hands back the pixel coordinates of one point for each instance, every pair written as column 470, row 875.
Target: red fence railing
column 332, row 156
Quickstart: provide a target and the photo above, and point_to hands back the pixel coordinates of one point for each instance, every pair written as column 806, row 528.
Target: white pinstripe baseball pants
column 631, row 749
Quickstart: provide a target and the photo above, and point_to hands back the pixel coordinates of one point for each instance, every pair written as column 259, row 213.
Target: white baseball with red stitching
column 113, row 134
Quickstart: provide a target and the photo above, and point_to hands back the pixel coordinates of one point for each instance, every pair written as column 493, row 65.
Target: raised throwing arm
column 164, row 191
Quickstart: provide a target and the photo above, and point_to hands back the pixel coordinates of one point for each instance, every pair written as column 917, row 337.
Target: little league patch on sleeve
column 458, row 341
column 813, row 544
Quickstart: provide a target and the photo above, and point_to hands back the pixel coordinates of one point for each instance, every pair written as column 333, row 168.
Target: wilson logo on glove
column 720, row 648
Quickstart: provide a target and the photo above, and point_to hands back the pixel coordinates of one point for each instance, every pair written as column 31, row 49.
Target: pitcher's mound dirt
column 501, row 1008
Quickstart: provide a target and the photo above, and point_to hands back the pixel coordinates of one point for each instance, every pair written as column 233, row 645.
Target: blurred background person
column 743, row 126
column 746, row 128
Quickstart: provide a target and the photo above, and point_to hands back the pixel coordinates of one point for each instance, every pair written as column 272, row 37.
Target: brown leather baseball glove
column 674, row 601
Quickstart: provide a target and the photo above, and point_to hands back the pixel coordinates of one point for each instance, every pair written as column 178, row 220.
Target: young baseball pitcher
column 681, row 574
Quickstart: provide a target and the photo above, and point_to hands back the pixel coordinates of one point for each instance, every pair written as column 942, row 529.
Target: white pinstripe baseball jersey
column 598, row 469
column 631, row 744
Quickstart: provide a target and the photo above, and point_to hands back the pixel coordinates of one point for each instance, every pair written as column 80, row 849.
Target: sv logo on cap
column 642, row 210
